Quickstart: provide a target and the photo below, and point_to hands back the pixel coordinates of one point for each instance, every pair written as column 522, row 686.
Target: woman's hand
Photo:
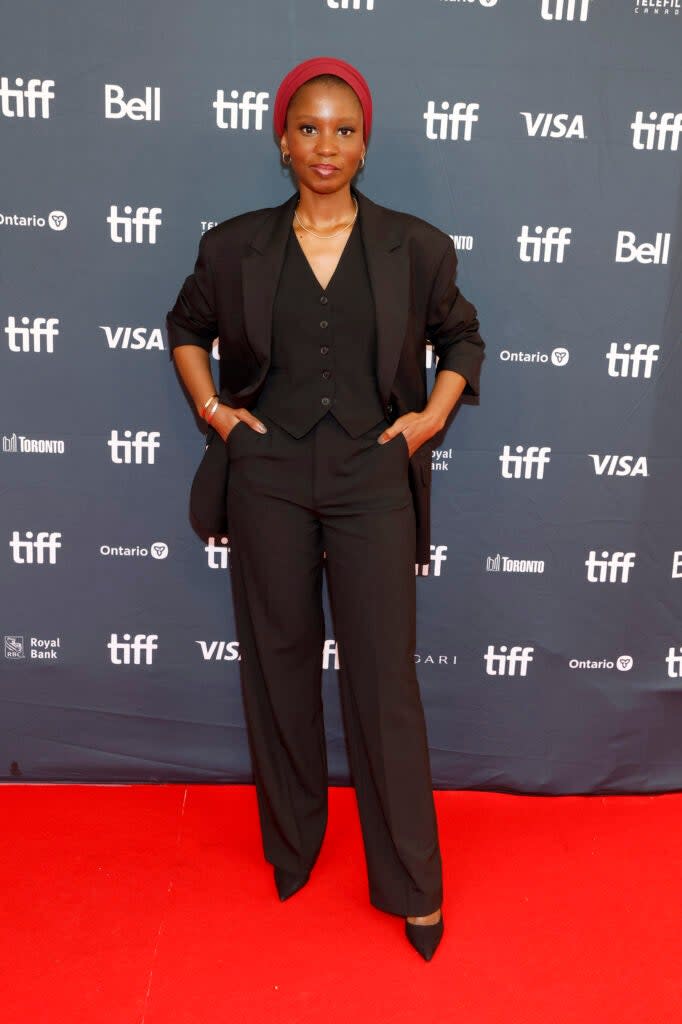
column 226, row 418
column 417, row 427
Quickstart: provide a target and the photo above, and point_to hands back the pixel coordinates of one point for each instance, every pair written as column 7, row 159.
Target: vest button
column 323, row 300
column 325, row 401
column 324, row 350
column 326, row 374
column 323, row 323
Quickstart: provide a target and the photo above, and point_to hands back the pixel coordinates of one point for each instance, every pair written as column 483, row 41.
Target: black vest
column 323, row 357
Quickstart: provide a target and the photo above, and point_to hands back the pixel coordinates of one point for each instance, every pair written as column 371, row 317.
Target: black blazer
column 412, row 267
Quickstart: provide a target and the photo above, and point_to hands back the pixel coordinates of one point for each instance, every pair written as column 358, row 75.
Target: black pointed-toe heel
column 288, row 883
column 425, row 937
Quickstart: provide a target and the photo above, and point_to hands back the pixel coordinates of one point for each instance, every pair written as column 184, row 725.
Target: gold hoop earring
column 362, row 164
column 287, row 163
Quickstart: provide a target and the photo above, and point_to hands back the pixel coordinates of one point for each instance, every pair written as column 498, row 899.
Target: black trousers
column 294, row 505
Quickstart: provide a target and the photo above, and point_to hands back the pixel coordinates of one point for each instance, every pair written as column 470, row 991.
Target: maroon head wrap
column 322, row 66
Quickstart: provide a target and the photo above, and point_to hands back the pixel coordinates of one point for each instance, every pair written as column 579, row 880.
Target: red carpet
column 153, row 905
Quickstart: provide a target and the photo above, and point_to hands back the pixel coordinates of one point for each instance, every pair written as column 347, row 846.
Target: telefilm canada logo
column 653, row 7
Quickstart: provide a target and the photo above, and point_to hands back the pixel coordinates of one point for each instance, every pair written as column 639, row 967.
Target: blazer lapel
column 388, row 265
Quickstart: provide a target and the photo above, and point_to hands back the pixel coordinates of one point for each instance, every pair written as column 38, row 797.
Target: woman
column 322, row 306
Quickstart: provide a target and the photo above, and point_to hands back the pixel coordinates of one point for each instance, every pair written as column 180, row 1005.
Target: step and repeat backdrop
column 545, row 136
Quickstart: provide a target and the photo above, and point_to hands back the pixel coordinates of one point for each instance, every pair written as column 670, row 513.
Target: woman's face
column 324, row 136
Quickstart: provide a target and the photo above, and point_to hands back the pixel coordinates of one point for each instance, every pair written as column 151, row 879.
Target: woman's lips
column 324, row 169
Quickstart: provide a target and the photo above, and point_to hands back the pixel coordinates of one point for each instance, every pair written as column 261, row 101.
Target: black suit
column 295, row 497
column 412, row 267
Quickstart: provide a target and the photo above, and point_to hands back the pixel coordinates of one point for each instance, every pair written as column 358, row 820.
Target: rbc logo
column 614, row 568
column 516, row 467
column 128, row 450
column 535, row 250
column 564, row 10
column 130, row 650
column 628, row 363
column 251, row 102
column 508, row 660
column 25, row 102
column 40, row 550
column 461, row 114
column 31, row 336
column 145, row 220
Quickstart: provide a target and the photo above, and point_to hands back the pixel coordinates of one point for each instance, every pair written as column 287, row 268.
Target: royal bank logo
column 631, row 361
column 454, row 124
column 14, row 648
column 557, row 357
column 441, row 459
column 31, row 335
column 245, row 113
column 623, row 663
column 657, row 6
column 134, row 226
column 503, row 563
column 619, row 465
column 553, row 126
column 38, row 549
column 547, row 245
column 527, row 464
column 507, row 661
column 610, row 567
column 564, row 10
column 137, row 449
column 57, row 220
column 219, row 650
column 627, row 249
column 26, row 99
column 146, row 108
column 137, row 339
column 132, row 650
column 19, row 444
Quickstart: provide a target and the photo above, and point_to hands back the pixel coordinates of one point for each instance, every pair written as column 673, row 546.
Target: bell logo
column 147, row 109
column 645, row 252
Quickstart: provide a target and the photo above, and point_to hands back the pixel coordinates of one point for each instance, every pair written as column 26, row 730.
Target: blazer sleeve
column 452, row 325
column 192, row 320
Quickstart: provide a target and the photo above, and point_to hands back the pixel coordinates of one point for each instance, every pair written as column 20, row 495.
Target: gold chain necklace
column 317, row 233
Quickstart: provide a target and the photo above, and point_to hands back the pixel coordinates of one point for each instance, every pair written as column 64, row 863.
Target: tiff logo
column 217, row 551
column 644, row 133
column 462, row 114
column 351, row 5
column 32, row 334
column 646, row 252
column 137, row 109
column 609, row 569
column 628, row 363
column 127, row 450
column 438, row 556
column 508, row 660
column 524, row 466
column 564, row 10
column 25, row 102
column 38, row 550
column 539, row 249
column 145, row 220
column 250, row 103
column 674, row 662
column 130, row 650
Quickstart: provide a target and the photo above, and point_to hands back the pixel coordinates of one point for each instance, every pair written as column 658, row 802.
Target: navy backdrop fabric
column 545, row 137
